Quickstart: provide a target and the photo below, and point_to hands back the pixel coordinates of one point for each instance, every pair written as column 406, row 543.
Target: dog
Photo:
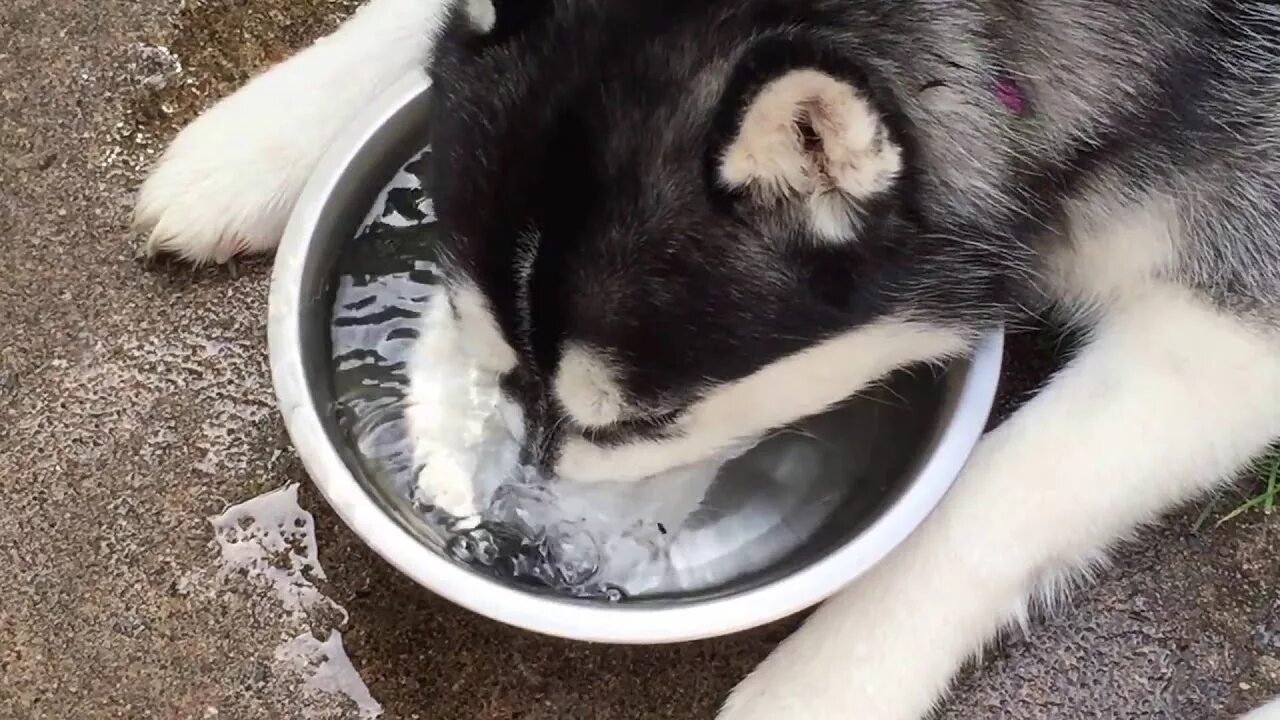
column 678, row 224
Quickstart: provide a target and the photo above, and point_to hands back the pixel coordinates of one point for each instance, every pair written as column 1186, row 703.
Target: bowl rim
column 566, row 617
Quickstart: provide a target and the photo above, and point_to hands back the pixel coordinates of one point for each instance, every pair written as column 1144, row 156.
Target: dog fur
column 679, row 225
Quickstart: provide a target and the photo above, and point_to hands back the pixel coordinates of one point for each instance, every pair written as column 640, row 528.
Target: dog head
column 674, row 226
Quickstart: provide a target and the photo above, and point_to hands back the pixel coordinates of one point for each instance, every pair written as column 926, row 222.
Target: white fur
column 795, row 386
column 854, row 160
column 1116, row 248
column 451, row 412
column 229, row 180
column 1270, row 711
column 481, row 337
column 586, row 388
column 482, row 14
column 1169, row 399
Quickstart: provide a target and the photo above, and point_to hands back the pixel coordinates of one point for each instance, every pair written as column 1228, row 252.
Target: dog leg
column 1270, row 711
column 1168, row 399
column 227, row 183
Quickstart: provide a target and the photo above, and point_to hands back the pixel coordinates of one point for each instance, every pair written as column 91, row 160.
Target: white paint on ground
column 327, row 670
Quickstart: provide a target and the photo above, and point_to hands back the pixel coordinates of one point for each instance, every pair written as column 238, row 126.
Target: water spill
column 327, row 670
column 426, row 428
column 272, row 542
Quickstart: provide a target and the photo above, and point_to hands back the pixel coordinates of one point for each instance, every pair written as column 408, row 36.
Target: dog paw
column 227, row 183
column 875, row 651
column 769, row 694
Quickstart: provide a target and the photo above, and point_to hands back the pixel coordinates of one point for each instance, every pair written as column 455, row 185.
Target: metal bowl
column 947, row 413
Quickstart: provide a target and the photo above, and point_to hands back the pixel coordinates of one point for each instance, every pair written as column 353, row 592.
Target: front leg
column 1168, row 399
column 1270, row 711
column 228, row 182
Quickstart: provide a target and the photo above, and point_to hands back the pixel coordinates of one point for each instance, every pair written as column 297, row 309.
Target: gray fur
column 1124, row 103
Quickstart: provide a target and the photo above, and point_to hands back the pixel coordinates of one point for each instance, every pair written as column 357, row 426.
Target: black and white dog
column 678, row 224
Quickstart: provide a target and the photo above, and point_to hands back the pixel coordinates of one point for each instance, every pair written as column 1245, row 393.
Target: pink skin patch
column 1010, row 95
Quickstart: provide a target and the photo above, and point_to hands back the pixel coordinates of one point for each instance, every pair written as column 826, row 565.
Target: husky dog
column 678, row 224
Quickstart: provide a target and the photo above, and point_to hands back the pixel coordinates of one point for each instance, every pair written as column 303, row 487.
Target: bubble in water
column 486, row 549
column 465, row 524
column 461, row 548
column 575, row 554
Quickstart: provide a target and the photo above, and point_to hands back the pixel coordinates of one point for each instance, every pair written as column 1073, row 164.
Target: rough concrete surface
column 135, row 403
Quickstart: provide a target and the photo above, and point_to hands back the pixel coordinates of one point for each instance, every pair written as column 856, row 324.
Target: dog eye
column 651, row 426
column 662, row 419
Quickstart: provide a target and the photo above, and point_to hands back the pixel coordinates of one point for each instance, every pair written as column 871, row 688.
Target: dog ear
column 808, row 137
column 482, row 14
column 500, row 19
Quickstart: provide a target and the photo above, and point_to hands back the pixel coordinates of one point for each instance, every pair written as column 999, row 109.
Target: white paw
column 882, row 649
column 823, row 674
column 228, row 182
column 1270, row 711
column 776, row 692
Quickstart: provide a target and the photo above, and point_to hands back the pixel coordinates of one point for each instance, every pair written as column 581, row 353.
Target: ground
column 135, row 403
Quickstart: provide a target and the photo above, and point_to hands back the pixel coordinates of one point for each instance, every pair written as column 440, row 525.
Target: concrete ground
column 134, row 404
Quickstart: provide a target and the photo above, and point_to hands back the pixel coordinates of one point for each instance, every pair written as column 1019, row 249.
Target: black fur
column 587, row 134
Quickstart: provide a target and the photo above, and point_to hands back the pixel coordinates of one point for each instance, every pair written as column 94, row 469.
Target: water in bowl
column 426, row 429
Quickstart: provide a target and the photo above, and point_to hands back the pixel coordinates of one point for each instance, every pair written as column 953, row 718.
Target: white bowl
column 335, row 203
